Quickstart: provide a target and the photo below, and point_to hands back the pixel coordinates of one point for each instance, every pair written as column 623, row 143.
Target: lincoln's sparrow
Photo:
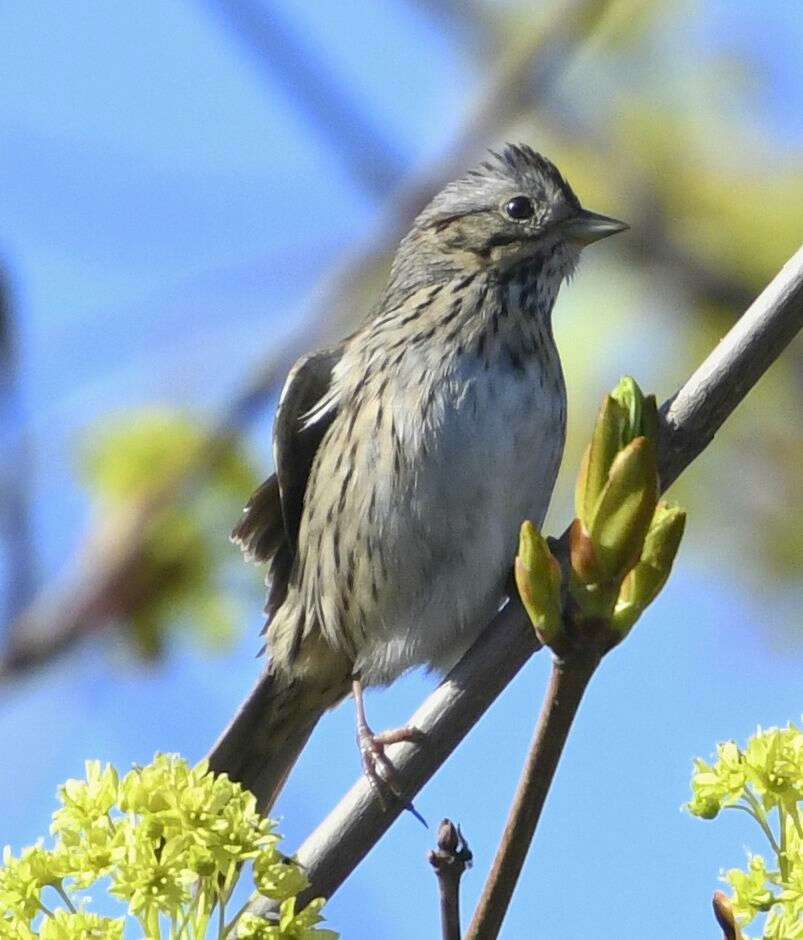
column 407, row 457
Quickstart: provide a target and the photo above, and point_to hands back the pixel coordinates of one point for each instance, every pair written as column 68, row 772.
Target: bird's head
column 514, row 207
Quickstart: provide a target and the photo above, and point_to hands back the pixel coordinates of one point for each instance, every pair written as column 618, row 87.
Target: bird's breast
column 480, row 439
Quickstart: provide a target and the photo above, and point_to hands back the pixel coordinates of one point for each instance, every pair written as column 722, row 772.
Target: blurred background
column 193, row 193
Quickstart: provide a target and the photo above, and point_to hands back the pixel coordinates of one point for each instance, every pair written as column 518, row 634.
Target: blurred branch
column 654, row 244
column 520, row 81
column 15, row 471
column 467, row 17
column 280, row 51
column 690, row 420
column 94, row 591
column 99, row 589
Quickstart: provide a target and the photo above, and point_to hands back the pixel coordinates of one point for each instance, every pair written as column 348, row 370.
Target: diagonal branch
column 690, row 420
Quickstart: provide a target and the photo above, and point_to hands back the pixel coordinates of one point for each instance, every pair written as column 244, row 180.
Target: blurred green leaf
column 181, row 580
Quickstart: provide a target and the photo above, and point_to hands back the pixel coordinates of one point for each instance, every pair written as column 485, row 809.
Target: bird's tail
column 266, row 736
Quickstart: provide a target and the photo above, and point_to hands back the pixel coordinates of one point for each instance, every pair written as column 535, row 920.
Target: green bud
column 664, row 536
column 600, row 454
column 628, row 394
column 583, row 557
column 625, row 414
column 625, row 509
column 645, row 581
column 538, row 579
column 641, row 411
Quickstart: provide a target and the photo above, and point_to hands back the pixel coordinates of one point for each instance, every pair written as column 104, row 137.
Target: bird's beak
column 585, row 227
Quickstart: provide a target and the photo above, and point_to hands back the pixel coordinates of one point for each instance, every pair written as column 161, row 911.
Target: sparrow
column 407, row 456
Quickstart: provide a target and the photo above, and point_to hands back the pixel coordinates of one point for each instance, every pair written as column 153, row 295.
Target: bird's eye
column 520, row 208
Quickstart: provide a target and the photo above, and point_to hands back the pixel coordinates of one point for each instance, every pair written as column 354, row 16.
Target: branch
column 450, row 860
column 691, row 418
column 96, row 590
column 567, row 684
column 723, row 912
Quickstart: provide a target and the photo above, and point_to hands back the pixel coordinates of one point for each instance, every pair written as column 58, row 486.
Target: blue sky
column 165, row 210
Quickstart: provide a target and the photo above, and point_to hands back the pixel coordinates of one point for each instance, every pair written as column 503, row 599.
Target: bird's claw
column 379, row 768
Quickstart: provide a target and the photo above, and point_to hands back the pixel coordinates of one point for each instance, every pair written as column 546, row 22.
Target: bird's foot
column 378, row 766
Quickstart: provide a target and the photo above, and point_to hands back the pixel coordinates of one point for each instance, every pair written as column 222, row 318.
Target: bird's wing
column 306, row 410
column 269, row 528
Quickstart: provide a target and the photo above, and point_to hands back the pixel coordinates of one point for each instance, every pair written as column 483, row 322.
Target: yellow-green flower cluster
column 23, row 879
column 766, row 780
column 66, row 925
column 172, row 840
column 299, row 926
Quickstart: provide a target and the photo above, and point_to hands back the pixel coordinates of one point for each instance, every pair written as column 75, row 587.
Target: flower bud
column 643, row 584
column 641, row 411
column 538, row 579
column 663, row 538
column 448, row 836
column 582, row 555
column 625, row 509
column 599, row 456
column 625, row 414
column 621, row 549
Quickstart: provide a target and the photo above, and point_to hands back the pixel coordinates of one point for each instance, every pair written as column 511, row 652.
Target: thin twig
column 567, row 684
column 449, row 861
column 343, row 839
column 724, row 915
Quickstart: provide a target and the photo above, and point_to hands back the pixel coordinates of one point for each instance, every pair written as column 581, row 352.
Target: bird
column 407, row 456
